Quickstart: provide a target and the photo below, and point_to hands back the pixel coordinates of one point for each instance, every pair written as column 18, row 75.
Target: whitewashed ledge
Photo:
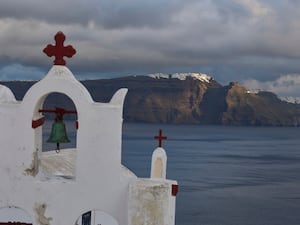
column 60, row 164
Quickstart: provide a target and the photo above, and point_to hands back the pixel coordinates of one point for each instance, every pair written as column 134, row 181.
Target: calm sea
column 226, row 175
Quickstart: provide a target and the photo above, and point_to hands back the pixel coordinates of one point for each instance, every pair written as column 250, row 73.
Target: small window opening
column 96, row 217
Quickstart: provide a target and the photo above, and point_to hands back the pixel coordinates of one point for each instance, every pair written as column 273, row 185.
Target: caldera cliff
column 184, row 99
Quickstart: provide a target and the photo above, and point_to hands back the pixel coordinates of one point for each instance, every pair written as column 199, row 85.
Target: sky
column 253, row 42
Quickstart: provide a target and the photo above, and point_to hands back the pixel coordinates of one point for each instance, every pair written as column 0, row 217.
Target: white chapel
column 84, row 185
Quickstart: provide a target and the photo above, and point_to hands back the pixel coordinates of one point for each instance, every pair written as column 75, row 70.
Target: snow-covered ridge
column 182, row 76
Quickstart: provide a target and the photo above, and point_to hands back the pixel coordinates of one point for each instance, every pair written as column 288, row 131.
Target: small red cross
column 59, row 50
column 160, row 138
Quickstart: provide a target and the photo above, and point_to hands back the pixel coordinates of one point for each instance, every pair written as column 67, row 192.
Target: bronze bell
column 58, row 132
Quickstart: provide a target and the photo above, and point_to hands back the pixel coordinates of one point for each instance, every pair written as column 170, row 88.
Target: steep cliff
column 262, row 108
column 184, row 98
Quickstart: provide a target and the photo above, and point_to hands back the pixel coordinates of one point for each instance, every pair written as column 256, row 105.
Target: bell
column 58, row 132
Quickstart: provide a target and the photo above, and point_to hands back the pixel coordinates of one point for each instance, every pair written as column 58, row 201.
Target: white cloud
column 284, row 86
column 256, row 7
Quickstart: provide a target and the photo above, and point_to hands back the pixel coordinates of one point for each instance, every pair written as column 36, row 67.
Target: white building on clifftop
column 83, row 185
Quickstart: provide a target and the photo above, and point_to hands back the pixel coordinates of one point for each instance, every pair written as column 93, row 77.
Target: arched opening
column 14, row 216
column 55, row 123
column 53, row 104
column 96, row 217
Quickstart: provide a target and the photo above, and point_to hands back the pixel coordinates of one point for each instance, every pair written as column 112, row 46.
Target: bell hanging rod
column 60, row 111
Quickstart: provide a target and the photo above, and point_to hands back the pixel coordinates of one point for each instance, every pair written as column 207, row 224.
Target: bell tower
column 85, row 183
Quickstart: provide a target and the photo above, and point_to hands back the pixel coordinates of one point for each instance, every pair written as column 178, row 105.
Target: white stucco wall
column 97, row 180
column 151, row 202
column 159, row 163
column 6, row 95
column 97, row 183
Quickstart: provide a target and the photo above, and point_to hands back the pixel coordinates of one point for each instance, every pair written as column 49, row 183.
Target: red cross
column 160, row 138
column 59, row 50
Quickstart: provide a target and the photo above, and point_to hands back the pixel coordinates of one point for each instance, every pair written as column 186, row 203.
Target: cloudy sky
column 254, row 42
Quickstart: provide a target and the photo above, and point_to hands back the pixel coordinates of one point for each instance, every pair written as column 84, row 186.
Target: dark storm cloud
column 59, row 12
column 229, row 39
column 110, row 14
column 136, row 13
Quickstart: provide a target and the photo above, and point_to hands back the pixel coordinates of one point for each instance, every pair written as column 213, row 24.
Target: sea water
column 226, row 175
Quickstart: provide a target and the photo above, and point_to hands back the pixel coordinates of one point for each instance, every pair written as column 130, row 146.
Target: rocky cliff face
column 263, row 108
column 160, row 98
column 184, row 98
